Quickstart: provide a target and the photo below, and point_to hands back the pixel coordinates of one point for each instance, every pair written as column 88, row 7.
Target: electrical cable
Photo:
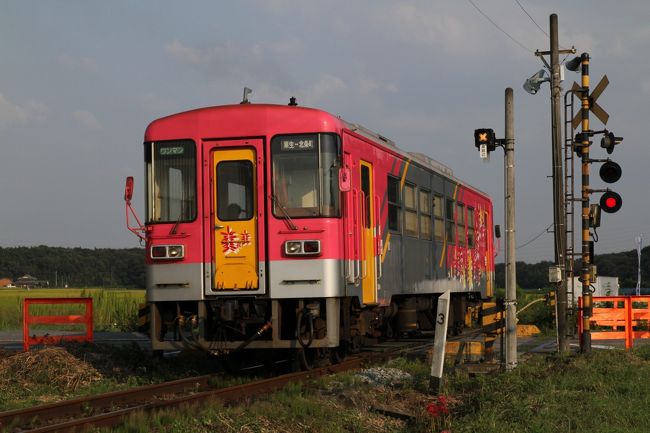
column 535, row 238
column 531, row 18
column 499, row 28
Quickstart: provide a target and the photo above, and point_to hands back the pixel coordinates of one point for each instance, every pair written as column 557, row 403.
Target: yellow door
column 235, row 220
column 368, row 227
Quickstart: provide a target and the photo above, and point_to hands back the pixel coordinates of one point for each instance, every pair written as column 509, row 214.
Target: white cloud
column 87, row 119
column 186, row 54
column 369, row 86
column 14, row 114
column 87, row 64
column 157, row 104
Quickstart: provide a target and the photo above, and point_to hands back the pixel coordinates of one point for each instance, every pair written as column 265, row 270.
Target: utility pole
column 558, row 188
column 559, row 227
column 511, row 274
column 486, row 142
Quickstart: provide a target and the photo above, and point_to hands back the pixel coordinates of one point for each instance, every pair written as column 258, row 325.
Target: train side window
column 470, row 227
column 460, row 218
column 424, row 205
column 410, row 211
column 394, row 207
column 450, row 224
column 171, row 181
column 439, row 219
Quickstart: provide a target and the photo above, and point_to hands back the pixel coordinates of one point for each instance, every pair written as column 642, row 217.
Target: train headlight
column 167, row 252
column 293, row 247
column 175, row 251
column 302, row 248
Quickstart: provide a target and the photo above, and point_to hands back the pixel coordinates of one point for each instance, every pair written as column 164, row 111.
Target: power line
column 536, row 237
column 499, row 28
column 531, row 18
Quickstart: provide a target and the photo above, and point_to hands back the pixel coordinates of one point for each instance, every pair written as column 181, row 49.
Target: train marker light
column 610, row 202
column 302, row 248
column 128, row 189
column 485, row 137
column 609, row 140
column 610, row 171
column 167, row 252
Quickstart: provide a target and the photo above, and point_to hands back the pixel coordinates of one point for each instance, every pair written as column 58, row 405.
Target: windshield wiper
column 287, row 219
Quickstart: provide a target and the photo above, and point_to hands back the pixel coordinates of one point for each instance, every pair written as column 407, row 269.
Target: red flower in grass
column 438, row 408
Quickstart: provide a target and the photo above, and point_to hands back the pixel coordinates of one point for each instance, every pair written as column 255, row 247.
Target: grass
column 114, row 309
column 601, row 393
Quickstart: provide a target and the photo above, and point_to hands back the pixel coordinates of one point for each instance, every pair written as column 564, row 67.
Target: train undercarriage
column 312, row 327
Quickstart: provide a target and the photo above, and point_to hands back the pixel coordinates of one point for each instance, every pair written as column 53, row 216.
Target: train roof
column 263, row 120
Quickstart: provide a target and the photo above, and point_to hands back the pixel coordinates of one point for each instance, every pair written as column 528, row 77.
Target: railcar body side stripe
column 444, row 244
column 385, row 249
column 401, row 187
column 384, row 203
column 403, row 180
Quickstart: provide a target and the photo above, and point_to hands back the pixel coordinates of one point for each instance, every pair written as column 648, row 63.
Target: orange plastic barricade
column 28, row 319
column 618, row 318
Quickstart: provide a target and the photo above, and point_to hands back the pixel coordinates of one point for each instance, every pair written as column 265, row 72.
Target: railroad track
column 111, row 409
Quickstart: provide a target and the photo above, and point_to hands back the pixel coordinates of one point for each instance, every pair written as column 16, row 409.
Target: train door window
column 438, row 218
column 235, row 190
column 394, row 207
column 424, row 204
column 460, row 218
column 365, row 187
column 450, row 224
column 470, row 227
column 410, row 211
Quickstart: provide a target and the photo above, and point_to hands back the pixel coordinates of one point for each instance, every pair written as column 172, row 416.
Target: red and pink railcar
column 284, row 227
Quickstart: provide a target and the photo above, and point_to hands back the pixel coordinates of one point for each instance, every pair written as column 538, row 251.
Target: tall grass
column 113, row 309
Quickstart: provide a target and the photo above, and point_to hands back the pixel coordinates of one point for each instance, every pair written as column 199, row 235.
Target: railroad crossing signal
column 485, row 137
column 609, row 141
column 593, row 106
column 610, row 202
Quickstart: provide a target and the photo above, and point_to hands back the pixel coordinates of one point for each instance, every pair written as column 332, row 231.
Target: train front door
column 368, row 235
column 235, row 221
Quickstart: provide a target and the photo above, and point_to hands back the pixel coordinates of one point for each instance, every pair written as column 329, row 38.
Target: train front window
column 171, row 181
column 305, row 175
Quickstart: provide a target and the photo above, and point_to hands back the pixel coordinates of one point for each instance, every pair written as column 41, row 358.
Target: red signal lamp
column 610, row 202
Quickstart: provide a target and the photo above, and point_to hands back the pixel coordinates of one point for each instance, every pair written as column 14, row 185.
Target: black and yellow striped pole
column 587, row 308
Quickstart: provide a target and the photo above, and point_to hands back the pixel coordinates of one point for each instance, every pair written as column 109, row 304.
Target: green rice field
column 113, row 309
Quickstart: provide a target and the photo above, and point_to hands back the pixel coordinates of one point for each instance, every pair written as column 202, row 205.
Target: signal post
column 486, row 142
column 610, row 172
column 587, row 307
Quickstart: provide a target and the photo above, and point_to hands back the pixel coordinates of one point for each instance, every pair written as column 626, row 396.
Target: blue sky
column 81, row 80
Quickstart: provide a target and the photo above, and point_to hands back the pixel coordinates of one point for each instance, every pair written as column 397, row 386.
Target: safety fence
column 29, row 319
column 618, row 318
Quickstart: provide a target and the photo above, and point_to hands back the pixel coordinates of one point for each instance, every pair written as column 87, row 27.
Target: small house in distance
column 28, row 282
column 6, row 282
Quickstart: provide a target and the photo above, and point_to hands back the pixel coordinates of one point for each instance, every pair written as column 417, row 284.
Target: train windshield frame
column 305, row 175
column 171, row 181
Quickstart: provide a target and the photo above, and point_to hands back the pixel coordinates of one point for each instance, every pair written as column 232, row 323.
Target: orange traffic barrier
column 28, row 319
column 618, row 318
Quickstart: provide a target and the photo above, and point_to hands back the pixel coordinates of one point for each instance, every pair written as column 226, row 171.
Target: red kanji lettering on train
column 230, row 241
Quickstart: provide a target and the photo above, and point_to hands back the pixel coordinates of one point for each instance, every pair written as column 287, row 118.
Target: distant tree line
column 622, row 265
column 75, row 267
column 106, row 267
